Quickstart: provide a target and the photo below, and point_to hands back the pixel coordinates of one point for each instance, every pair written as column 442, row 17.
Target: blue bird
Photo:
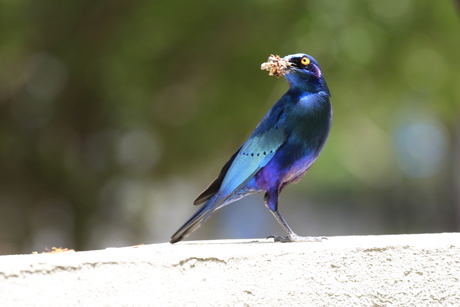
column 281, row 149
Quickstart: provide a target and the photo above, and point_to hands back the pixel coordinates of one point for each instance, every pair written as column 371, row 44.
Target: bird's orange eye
column 305, row 61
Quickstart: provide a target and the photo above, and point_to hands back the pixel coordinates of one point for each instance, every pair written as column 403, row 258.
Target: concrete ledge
column 400, row 270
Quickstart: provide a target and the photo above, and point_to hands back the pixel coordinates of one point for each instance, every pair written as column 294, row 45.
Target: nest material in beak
column 276, row 66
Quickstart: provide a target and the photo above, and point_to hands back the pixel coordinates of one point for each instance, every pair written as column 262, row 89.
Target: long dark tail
column 195, row 221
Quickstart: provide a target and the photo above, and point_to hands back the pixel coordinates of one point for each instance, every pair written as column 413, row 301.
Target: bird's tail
column 196, row 220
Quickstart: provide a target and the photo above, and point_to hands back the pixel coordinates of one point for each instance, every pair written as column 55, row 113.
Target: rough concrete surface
column 399, row 270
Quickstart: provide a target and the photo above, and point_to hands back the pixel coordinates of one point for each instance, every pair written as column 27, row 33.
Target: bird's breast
column 308, row 132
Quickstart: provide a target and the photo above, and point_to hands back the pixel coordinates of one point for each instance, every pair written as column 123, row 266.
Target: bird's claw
column 296, row 238
column 279, row 239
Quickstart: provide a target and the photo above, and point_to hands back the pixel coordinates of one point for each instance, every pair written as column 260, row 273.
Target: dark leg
column 271, row 201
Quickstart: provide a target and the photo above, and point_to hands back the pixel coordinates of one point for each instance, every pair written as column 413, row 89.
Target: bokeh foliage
column 114, row 114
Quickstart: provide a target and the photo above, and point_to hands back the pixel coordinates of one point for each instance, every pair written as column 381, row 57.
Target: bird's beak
column 288, row 63
column 287, row 59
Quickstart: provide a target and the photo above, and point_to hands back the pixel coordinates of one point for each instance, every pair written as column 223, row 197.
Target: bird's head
column 303, row 65
column 300, row 70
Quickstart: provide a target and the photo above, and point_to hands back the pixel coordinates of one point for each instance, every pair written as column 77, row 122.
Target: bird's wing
column 258, row 150
column 255, row 153
column 245, row 162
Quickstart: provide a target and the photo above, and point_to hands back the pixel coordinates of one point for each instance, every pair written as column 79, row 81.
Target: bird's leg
column 291, row 235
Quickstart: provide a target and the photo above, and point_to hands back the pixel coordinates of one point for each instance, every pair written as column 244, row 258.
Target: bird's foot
column 296, row 238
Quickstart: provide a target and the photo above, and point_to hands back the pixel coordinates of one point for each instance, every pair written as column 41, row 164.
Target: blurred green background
column 114, row 115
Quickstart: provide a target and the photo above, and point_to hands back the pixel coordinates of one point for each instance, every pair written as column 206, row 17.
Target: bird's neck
column 312, row 86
